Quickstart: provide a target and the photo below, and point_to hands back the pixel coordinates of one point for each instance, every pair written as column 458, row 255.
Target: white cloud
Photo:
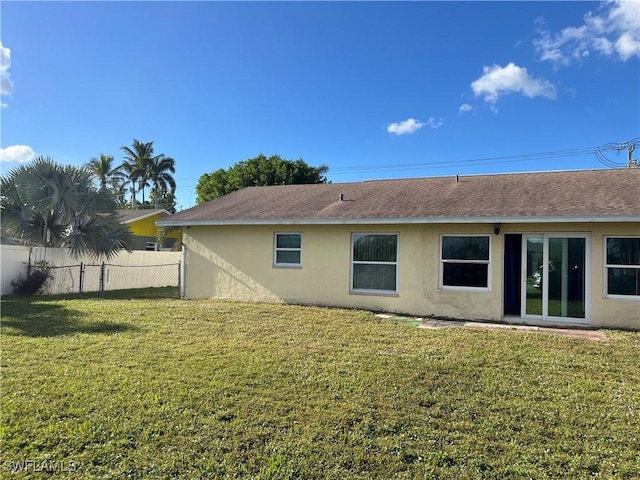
column 6, row 86
column 497, row 81
column 16, row 153
column 615, row 30
column 407, row 126
column 412, row 125
column 627, row 46
column 465, row 107
column 433, row 123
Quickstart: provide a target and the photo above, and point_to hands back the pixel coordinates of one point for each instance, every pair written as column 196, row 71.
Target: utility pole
column 632, row 162
column 630, row 146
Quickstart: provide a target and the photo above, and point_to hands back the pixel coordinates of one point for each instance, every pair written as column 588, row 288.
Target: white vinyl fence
column 13, row 263
column 138, row 269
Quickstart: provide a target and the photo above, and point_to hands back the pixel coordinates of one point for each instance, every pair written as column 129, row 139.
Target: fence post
column 179, row 279
column 29, row 263
column 183, row 271
column 81, row 277
column 102, row 279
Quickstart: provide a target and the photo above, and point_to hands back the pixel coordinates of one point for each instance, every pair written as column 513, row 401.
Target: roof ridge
column 578, row 194
column 494, row 174
column 459, row 175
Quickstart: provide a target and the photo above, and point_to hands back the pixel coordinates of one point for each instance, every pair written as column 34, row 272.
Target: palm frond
column 44, row 203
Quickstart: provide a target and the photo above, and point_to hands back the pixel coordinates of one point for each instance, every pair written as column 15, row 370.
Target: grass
column 163, row 388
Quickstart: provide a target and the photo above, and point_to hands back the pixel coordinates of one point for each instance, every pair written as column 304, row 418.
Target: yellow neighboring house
column 145, row 232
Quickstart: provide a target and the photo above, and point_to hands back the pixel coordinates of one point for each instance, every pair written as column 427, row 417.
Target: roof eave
column 147, row 215
column 389, row 221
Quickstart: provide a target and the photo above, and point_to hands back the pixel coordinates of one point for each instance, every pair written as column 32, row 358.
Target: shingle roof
column 129, row 215
column 614, row 194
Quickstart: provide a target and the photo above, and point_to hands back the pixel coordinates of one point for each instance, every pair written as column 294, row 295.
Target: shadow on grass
column 139, row 294
column 129, row 294
column 151, row 293
column 23, row 317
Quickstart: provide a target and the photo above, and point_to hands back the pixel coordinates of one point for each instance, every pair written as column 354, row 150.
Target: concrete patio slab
column 594, row 335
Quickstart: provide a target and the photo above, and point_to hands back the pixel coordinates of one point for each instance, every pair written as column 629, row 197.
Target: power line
column 598, row 152
column 475, row 161
column 618, row 147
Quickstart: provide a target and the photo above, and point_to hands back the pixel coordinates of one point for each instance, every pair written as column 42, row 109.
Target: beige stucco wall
column 236, row 262
column 610, row 312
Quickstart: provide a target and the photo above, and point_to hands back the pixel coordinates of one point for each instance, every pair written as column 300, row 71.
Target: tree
column 47, row 204
column 119, row 188
column 110, row 177
column 104, row 170
column 162, row 181
column 213, row 185
column 136, row 166
column 144, row 169
column 258, row 171
column 166, row 200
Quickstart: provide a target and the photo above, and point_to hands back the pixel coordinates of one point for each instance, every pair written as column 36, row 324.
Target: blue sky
column 373, row 90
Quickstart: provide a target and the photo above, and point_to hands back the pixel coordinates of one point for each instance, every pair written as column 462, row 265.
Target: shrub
column 33, row 282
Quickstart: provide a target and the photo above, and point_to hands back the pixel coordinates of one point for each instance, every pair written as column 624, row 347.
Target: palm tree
column 137, row 161
column 160, row 176
column 46, row 204
column 144, row 169
column 103, row 169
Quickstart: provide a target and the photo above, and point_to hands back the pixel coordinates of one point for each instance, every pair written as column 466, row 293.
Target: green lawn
column 163, row 388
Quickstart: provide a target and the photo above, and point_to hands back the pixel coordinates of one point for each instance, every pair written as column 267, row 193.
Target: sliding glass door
column 556, row 271
column 533, row 261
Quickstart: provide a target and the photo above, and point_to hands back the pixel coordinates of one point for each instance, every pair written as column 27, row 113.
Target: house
column 145, row 232
column 560, row 248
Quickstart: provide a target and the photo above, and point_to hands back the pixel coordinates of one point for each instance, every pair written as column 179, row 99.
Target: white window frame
column 277, row 249
column 359, row 262
column 477, row 262
column 607, row 266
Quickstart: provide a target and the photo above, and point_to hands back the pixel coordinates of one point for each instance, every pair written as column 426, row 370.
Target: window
column 465, row 261
column 374, row 266
column 623, row 266
column 288, row 250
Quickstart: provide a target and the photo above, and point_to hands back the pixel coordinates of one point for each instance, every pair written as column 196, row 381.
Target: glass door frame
column 545, row 317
